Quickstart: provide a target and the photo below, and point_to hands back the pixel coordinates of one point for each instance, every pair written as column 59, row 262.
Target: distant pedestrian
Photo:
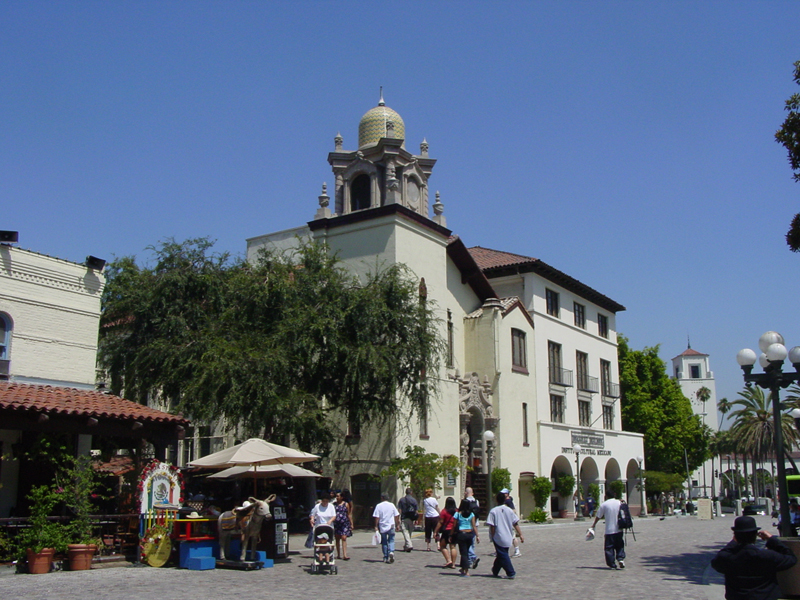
column 750, row 572
column 343, row 524
column 475, row 506
column 409, row 511
column 387, row 521
column 590, row 505
column 503, row 523
column 614, row 543
column 445, row 534
column 509, row 502
column 431, row 515
column 467, row 535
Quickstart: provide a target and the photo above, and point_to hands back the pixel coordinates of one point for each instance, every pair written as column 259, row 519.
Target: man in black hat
column 750, row 571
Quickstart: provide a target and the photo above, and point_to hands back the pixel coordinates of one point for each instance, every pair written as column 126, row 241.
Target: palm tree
column 753, row 426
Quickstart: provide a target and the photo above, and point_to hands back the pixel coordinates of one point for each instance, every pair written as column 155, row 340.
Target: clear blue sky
column 629, row 144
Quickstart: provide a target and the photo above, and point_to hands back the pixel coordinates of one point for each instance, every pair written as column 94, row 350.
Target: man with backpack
column 408, row 508
column 618, row 518
column 475, row 507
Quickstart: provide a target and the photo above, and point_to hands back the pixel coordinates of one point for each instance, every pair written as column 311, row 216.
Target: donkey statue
column 245, row 520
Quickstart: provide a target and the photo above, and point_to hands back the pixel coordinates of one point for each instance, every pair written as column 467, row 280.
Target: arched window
column 360, row 193
column 5, row 335
column 6, row 326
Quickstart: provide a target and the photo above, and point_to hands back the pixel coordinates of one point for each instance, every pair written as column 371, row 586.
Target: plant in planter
column 42, row 538
column 78, row 480
column 564, row 485
column 617, row 488
column 541, row 488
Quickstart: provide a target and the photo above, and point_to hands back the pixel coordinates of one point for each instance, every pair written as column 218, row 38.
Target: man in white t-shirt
column 614, row 546
column 387, row 521
column 502, row 522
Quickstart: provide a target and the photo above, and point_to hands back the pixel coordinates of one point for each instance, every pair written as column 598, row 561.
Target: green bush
column 537, row 516
column 501, row 478
column 565, row 484
column 617, row 487
column 540, row 490
column 594, row 492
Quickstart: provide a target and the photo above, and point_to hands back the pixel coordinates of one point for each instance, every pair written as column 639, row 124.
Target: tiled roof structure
column 64, row 401
column 690, row 352
column 495, row 263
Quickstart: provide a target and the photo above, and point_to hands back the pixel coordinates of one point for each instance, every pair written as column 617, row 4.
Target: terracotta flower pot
column 40, row 562
column 80, row 556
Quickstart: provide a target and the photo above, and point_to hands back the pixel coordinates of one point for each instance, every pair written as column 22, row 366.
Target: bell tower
column 381, row 171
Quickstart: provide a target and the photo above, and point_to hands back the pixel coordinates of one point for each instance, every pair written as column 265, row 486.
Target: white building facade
column 496, row 375
column 693, row 373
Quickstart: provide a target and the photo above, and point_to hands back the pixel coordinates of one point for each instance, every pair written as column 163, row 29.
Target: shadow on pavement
column 689, row 566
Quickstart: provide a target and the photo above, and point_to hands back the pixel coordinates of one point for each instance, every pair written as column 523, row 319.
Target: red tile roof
column 690, row 352
column 117, row 465
column 25, row 397
column 495, row 263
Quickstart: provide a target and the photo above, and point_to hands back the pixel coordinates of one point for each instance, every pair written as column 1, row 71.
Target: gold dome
column 373, row 125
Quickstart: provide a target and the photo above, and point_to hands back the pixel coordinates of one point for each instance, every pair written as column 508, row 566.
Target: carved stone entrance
column 476, row 415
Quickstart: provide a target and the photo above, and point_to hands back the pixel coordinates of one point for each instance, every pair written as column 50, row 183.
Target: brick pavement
column 669, row 559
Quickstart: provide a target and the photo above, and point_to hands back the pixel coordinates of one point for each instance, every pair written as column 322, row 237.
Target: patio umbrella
column 268, row 472
column 254, row 453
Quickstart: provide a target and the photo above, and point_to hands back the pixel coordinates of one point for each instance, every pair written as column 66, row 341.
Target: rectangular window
column 556, row 408
column 608, row 416
column 450, row 358
column 602, row 325
column 558, row 375
column 582, row 366
column 519, row 352
column 188, row 446
column 423, row 423
column 695, row 371
column 605, row 377
column 552, row 302
column 580, row 315
column 525, row 424
column 584, row 413
column 353, row 429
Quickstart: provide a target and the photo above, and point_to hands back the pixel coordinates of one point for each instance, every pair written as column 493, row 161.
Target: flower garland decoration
column 145, row 480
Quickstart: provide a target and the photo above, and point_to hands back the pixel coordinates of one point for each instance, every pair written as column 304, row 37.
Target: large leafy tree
column 278, row 345
column 789, row 136
column 652, row 403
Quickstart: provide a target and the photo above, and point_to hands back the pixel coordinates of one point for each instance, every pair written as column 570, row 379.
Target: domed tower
column 381, row 171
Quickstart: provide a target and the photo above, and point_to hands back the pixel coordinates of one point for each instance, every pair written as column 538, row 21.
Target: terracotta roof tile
column 72, row 401
column 489, row 259
column 690, row 352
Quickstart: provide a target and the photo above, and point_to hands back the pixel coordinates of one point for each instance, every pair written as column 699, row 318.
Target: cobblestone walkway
column 669, row 559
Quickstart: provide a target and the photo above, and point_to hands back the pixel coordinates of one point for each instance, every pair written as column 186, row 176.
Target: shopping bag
column 590, row 534
column 376, row 539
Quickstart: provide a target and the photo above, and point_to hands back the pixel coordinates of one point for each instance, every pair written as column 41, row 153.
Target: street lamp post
column 643, row 511
column 773, row 378
column 488, row 438
column 705, row 481
column 577, row 450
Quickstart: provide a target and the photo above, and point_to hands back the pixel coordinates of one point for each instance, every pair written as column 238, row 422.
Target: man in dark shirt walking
column 750, row 571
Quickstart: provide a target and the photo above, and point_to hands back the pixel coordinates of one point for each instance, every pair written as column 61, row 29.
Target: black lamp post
column 643, row 510
column 579, row 510
column 773, row 378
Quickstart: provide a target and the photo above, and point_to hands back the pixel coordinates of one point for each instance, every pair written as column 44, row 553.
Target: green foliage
column 541, row 487
column 657, row 482
column 652, row 404
column 419, row 469
column 501, row 478
column 617, row 488
column 789, row 136
column 565, row 484
column 41, row 532
column 537, row 516
column 593, row 491
column 753, row 429
column 274, row 345
column 78, row 481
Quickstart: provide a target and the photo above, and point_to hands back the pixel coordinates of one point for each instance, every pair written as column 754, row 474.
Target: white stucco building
column 693, row 373
column 541, row 379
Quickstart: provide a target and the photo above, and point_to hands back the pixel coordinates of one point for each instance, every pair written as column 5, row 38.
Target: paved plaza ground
column 669, row 559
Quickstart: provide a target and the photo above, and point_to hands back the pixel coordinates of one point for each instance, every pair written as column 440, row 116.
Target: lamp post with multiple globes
column 773, row 378
column 643, row 511
column 488, row 438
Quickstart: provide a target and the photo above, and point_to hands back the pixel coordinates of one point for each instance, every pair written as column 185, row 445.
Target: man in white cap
column 750, row 571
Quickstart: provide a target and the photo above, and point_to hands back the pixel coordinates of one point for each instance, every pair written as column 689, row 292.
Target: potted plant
column 78, row 481
column 42, row 538
column 541, row 489
column 564, row 485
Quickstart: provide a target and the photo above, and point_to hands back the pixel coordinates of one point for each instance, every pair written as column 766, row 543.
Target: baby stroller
column 323, row 550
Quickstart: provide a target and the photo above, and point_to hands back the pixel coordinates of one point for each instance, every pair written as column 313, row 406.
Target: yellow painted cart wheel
column 156, row 546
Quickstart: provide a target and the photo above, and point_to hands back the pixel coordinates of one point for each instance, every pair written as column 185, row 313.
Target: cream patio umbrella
column 268, row 472
column 254, row 453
